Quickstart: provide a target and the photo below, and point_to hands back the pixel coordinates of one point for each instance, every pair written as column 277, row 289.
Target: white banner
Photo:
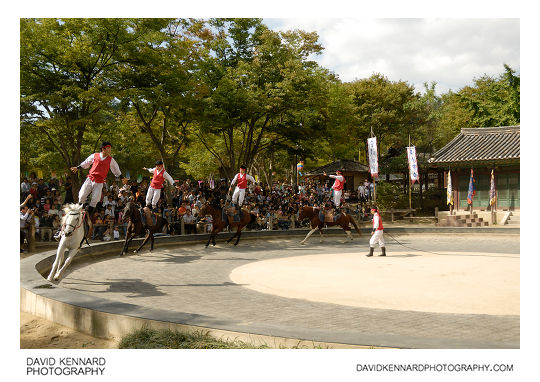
column 413, row 166
column 372, row 155
column 449, row 195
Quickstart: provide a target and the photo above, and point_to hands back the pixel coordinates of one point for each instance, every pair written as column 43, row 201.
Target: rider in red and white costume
column 241, row 184
column 376, row 233
column 337, row 187
column 154, row 190
column 101, row 163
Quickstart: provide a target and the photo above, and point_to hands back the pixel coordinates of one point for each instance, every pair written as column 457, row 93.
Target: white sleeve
column 151, row 170
column 115, row 169
column 168, row 178
column 88, row 161
column 234, row 180
column 249, row 177
column 333, row 176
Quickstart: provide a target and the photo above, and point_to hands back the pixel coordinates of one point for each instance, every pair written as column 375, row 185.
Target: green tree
column 67, row 90
column 264, row 93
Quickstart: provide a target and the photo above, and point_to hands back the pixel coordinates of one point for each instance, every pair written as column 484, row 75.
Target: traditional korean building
column 483, row 149
column 353, row 171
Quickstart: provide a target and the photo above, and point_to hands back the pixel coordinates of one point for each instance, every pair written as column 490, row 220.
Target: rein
column 76, row 226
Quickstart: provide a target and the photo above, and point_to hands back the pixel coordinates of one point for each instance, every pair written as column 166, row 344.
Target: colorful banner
column 372, row 153
column 413, row 165
column 492, row 191
column 472, row 188
column 449, row 194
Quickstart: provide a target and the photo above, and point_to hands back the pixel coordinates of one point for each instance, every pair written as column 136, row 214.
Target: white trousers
column 152, row 196
column 377, row 237
column 238, row 195
column 92, row 187
column 337, row 197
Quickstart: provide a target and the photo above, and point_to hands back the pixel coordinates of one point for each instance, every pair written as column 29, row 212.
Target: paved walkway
column 197, row 281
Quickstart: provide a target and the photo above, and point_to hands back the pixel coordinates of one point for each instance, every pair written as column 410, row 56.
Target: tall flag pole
column 472, row 189
column 492, row 192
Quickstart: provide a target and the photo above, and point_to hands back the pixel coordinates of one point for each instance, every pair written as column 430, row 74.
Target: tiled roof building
column 488, row 145
column 483, row 149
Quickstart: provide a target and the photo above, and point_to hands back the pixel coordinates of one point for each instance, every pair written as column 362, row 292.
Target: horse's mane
column 68, row 208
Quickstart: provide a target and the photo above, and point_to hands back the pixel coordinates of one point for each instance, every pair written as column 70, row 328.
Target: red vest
column 338, row 185
column 100, row 169
column 157, row 179
column 241, row 181
column 380, row 227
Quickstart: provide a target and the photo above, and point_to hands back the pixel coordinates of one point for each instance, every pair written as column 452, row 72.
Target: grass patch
column 169, row 339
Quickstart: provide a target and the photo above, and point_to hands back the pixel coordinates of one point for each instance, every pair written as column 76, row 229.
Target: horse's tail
column 354, row 224
column 253, row 218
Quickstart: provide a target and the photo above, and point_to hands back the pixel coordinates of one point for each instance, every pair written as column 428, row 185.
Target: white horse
column 71, row 237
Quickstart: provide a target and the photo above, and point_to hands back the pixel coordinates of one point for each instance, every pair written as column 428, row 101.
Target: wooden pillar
column 31, row 237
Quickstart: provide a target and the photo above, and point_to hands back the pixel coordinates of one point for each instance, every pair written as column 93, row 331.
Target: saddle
column 231, row 215
column 328, row 216
column 148, row 219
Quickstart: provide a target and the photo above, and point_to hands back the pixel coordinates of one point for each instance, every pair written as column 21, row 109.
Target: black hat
column 105, row 143
column 243, row 167
column 374, row 207
column 158, row 162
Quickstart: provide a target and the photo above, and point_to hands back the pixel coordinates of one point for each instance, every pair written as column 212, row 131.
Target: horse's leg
column 239, row 233
column 59, row 258
column 303, row 242
column 233, row 236
column 212, row 236
column 148, row 234
column 129, row 236
column 151, row 241
column 71, row 255
column 321, row 233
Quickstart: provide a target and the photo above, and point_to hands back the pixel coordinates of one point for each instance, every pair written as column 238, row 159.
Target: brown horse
column 136, row 225
column 218, row 224
column 312, row 214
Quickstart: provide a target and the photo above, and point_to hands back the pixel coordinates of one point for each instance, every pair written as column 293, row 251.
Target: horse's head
column 72, row 219
column 205, row 209
column 129, row 209
column 304, row 213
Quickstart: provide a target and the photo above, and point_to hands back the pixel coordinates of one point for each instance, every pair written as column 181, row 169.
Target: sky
column 449, row 51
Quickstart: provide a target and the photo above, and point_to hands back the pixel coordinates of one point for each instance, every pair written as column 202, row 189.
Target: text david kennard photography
column 65, row 366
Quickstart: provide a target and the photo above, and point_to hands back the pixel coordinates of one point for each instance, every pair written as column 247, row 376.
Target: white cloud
column 451, row 52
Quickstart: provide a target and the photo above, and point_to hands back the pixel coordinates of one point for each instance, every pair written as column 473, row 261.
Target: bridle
column 77, row 224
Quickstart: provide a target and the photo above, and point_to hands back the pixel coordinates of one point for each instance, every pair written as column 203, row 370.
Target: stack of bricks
column 469, row 220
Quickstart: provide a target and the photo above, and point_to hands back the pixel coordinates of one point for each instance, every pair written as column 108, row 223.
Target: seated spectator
column 189, row 222
column 99, row 227
column 53, row 210
column 45, row 223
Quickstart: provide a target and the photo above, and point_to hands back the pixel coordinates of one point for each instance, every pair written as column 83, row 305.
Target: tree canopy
column 208, row 95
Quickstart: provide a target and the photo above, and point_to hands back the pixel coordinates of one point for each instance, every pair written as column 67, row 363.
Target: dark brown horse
column 136, row 226
column 312, row 214
column 218, row 223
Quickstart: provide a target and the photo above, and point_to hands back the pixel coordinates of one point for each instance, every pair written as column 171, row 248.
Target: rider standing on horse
column 241, row 184
column 101, row 163
column 154, row 190
column 338, row 188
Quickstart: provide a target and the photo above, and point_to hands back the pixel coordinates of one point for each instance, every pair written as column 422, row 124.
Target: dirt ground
column 38, row 333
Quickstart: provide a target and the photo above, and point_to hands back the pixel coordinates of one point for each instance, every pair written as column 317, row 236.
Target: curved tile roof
column 481, row 144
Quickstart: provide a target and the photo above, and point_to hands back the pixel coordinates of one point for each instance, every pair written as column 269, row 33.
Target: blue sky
column 449, row 51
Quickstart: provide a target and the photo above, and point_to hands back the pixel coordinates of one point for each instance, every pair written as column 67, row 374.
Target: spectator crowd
column 273, row 205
